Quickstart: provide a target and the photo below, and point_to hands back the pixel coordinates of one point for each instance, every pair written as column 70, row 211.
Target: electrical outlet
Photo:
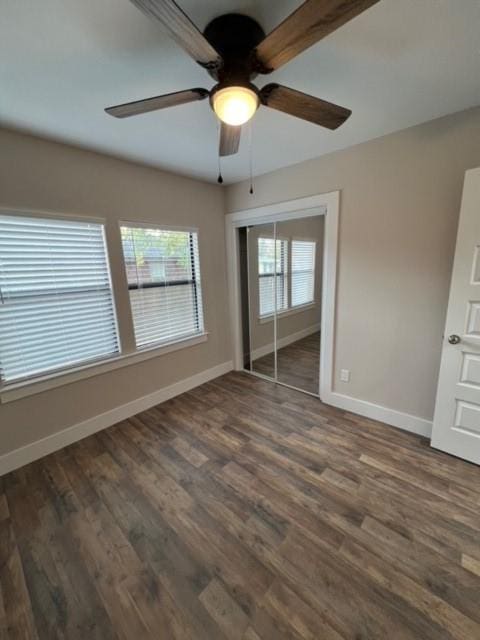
column 345, row 375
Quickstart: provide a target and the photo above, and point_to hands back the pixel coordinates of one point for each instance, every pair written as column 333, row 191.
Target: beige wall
column 41, row 175
column 400, row 199
column 261, row 331
column 399, row 212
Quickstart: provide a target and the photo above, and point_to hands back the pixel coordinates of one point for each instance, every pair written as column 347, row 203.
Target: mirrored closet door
column 281, row 278
column 262, row 260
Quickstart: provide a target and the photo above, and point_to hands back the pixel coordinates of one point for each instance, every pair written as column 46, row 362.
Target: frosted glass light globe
column 235, row 105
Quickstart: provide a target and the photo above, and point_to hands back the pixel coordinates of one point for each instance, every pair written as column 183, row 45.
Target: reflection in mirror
column 281, row 289
column 298, row 319
column 263, row 267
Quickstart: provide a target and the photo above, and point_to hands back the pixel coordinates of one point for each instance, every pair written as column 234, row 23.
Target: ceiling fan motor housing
column 235, row 37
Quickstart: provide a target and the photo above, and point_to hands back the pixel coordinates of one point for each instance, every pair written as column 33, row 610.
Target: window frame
column 310, row 303
column 159, row 345
column 10, row 392
column 61, row 371
column 274, row 274
column 291, row 309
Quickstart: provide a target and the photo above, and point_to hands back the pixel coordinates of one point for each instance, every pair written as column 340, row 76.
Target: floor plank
column 242, row 510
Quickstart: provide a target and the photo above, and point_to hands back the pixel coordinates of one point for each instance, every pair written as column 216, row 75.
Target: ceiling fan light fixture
column 235, row 105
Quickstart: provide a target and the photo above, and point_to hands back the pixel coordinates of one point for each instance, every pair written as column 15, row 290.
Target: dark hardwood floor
column 298, row 364
column 242, row 511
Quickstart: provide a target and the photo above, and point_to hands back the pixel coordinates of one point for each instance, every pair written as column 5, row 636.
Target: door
column 456, row 423
column 263, row 268
column 299, row 317
column 281, row 265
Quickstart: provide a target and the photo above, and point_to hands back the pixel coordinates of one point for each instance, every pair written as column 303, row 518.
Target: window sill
column 18, row 390
column 287, row 312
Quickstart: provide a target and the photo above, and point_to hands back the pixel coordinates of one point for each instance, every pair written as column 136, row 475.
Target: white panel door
column 456, row 424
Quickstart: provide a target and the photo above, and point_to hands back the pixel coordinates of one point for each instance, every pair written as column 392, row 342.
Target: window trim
column 6, row 386
column 275, row 273
column 32, row 386
column 156, row 225
column 40, row 213
column 9, row 392
column 291, row 309
column 299, row 308
column 161, row 227
column 313, row 241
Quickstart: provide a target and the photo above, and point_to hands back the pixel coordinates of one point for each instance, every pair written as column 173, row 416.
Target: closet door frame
column 326, row 204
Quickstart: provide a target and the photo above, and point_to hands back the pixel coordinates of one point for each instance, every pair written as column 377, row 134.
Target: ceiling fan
column 234, row 50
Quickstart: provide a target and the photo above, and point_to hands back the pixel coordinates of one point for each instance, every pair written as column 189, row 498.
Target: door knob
column 454, row 339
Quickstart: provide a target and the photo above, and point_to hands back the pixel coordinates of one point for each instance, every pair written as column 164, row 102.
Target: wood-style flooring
column 242, row 510
column 298, row 364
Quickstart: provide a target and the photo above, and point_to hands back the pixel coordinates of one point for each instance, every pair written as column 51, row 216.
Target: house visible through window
column 163, row 273
column 56, row 306
column 271, row 264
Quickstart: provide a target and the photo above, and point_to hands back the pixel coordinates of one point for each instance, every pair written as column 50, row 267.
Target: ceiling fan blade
column 229, row 139
column 154, row 104
column 311, row 22
column 301, row 105
column 182, row 29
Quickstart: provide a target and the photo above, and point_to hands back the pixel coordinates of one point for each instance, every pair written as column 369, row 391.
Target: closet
column 281, row 299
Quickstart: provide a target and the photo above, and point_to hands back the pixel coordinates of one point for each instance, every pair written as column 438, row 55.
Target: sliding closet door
column 263, row 267
column 299, row 302
column 282, row 268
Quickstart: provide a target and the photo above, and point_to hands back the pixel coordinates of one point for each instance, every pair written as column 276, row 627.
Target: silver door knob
column 454, row 339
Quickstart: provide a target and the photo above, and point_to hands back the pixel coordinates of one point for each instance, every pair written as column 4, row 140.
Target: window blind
column 163, row 273
column 303, row 272
column 272, row 274
column 56, row 306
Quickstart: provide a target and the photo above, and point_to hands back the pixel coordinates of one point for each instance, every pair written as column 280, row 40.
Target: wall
column 39, row 175
column 399, row 213
column 291, row 323
column 400, row 199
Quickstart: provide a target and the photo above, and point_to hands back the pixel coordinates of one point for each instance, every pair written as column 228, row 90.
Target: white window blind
column 303, row 272
column 56, row 306
column 163, row 272
column 272, row 273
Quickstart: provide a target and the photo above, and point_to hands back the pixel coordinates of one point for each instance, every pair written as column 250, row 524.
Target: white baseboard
column 40, row 448
column 45, row 446
column 285, row 341
column 394, row 418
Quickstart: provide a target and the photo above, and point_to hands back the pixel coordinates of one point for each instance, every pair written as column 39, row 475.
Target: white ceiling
column 63, row 61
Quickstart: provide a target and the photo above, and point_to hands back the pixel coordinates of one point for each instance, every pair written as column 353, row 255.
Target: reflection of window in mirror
column 272, row 263
column 298, row 280
column 303, row 272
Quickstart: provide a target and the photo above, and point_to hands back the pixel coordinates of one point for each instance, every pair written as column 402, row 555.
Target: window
column 163, row 274
column 271, row 264
column 303, row 272
column 295, row 274
column 56, row 305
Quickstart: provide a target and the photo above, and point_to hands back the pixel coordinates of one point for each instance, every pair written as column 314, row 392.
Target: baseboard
column 285, row 341
column 394, row 418
column 40, row 448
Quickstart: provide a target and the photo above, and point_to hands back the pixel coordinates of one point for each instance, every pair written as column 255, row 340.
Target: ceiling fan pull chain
column 220, row 177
